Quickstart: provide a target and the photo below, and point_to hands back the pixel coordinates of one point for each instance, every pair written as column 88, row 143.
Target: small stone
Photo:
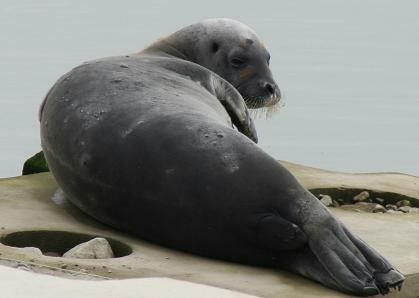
column 341, row 201
column 403, row 203
column 326, row 200
column 83, row 271
column 379, row 209
column 97, row 248
column 391, row 207
column 379, row 200
column 64, row 266
column 122, row 65
column 109, row 271
column 404, row 209
column 362, row 196
column 413, row 210
column 335, row 203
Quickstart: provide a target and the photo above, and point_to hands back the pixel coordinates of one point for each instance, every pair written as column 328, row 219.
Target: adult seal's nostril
column 270, row 88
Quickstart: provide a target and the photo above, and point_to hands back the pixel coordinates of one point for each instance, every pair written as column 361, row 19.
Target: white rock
column 413, row 210
column 326, row 200
column 34, row 250
column 97, row 248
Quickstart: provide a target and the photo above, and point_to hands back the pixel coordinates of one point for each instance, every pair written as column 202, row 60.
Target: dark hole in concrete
column 347, row 194
column 56, row 243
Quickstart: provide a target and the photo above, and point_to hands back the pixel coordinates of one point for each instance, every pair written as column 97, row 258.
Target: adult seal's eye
column 237, row 62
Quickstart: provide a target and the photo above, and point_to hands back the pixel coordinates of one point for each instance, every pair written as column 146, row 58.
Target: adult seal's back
column 160, row 144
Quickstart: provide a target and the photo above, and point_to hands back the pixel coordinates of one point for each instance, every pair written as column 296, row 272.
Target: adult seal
column 161, row 144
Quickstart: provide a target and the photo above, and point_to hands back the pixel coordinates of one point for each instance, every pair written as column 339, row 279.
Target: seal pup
column 160, row 144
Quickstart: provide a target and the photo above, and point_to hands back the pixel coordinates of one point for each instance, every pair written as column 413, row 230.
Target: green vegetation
column 35, row 164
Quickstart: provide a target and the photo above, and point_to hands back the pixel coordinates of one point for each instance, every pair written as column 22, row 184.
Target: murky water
column 349, row 69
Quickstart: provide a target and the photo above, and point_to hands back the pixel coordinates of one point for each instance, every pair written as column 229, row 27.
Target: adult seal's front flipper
column 235, row 107
column 228, row 96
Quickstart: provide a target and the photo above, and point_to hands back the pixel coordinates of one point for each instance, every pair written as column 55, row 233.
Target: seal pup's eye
column 214, row 47
column 237, row 62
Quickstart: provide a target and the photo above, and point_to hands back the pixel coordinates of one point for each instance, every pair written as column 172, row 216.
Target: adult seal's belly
column 160, row 144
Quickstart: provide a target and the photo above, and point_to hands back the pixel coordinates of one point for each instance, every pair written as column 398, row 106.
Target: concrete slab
column 27, row 203
column 20, row 284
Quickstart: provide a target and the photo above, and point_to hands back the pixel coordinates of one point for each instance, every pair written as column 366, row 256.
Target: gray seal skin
column 160, row 144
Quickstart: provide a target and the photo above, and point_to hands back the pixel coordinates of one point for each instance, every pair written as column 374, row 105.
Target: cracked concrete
column 28, row 203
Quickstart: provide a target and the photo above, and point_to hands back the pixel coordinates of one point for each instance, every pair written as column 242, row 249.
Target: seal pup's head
column 233, row 51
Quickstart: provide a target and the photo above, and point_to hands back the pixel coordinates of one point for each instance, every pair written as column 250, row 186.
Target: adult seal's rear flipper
column 275, row 233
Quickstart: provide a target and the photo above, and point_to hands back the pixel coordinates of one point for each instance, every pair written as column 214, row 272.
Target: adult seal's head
column 230, row 49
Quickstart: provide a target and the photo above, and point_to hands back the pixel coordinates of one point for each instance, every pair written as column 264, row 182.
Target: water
column 349, row 69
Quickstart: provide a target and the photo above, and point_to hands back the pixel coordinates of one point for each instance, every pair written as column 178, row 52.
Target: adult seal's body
column 147, row 143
